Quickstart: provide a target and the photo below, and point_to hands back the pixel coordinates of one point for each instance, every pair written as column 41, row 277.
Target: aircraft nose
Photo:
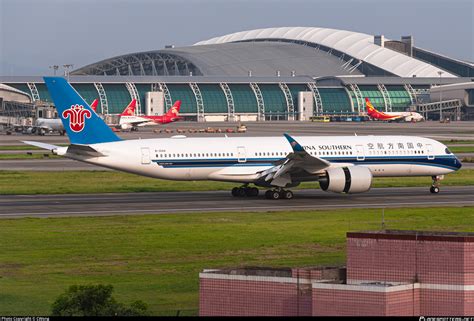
column 457, row 163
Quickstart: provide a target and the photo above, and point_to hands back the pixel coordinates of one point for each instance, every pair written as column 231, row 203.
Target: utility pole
column 440, row 97
column 66, row 70
column 55, row 68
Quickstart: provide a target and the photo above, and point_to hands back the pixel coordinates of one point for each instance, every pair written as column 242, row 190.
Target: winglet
column 294, row 144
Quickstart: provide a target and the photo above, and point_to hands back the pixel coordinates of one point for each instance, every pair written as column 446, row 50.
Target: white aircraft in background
column 409, row 116
column 341, row 164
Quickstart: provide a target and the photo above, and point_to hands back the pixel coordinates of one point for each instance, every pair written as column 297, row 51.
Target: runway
column 14, row 206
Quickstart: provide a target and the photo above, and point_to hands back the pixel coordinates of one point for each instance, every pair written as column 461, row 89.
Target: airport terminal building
column 288, row 73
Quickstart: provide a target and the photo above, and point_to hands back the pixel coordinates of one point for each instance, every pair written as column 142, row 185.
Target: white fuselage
column 240, row 159
column 50, row 124
column 407, row 116
column 136, row 121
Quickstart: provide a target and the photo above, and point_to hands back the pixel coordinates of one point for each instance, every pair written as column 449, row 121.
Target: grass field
column 461, row 149
column 157, row 258
column 23, row 147
column 118, row 182
column 455, row 141
column 21, row 156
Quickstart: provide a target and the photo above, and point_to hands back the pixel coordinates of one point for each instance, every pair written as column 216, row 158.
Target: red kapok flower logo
column 77, row 116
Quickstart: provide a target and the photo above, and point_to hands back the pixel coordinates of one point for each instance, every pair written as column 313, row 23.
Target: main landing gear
column 276, row 194
column 273, row 194
column 245, row 191
column 434, row 189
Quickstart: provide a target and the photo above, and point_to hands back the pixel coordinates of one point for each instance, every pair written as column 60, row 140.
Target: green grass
column 24, row 147
column 461, row 149
column 118, row 182
column 157, row 258
column 26, row 156
column 455, row 141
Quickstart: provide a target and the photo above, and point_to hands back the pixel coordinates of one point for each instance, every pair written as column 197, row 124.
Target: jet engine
column 353, row 179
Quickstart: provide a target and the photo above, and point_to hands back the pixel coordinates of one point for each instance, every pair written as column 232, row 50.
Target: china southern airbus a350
column 341, row 164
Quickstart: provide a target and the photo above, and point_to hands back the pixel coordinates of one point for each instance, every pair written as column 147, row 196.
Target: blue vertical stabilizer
column 82, row 124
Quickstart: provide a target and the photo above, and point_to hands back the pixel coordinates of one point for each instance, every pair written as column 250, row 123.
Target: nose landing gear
column 434, row 189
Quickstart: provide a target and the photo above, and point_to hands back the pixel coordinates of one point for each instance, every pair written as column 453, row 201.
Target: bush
column 94, row 300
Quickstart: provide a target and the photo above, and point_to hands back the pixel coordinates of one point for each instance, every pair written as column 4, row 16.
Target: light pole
column 440, row 97
column 55, row 68
column 66, row 71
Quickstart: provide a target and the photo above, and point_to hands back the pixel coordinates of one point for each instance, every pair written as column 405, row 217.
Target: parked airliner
column 128, row 119
column 409, row 116
column 341, row 164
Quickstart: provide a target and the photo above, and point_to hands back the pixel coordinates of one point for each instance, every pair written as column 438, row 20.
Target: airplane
column 129, row 120
column 341, row 164
column 408, row 116
column 94, row 105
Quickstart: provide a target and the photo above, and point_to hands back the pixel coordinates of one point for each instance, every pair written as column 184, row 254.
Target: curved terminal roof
column 11, row 93
column 228, row 59
column 357, row 45
column 262, row 59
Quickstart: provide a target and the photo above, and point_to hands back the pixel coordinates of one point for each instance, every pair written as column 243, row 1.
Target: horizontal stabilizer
column 41, row 145
column 83, row 150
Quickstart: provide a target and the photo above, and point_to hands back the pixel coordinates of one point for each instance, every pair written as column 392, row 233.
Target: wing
column 296, row 162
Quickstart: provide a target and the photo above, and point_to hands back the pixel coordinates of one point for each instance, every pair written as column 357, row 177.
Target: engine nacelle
column 125, row 126
column 353, row 179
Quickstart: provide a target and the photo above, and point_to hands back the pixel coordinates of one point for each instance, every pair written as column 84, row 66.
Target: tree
column 94, row 300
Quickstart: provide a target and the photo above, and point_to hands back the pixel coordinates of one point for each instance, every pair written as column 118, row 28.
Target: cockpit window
column 447, row 151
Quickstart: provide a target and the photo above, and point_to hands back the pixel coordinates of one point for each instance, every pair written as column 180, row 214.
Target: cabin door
column 429, row 149
column 241, row 154
column 360, row 152
column 145, row 155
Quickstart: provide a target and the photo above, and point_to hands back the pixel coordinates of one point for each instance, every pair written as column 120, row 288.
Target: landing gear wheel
column 251, row 191
column 275, row 195
column 241, row 192
column 268, row 194
column 287, row 195
column 434, row 189
column 244, row 191
column 235, row 191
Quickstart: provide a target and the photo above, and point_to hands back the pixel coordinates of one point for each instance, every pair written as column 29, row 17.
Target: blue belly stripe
column 444, row 161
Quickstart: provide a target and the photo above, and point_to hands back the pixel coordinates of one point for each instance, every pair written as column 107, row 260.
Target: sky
column 36, row 34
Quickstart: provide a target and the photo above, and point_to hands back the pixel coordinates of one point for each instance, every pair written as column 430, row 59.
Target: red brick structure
column 441, row 263
column 367, row 300
column 388, row 273
column 260, row 292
